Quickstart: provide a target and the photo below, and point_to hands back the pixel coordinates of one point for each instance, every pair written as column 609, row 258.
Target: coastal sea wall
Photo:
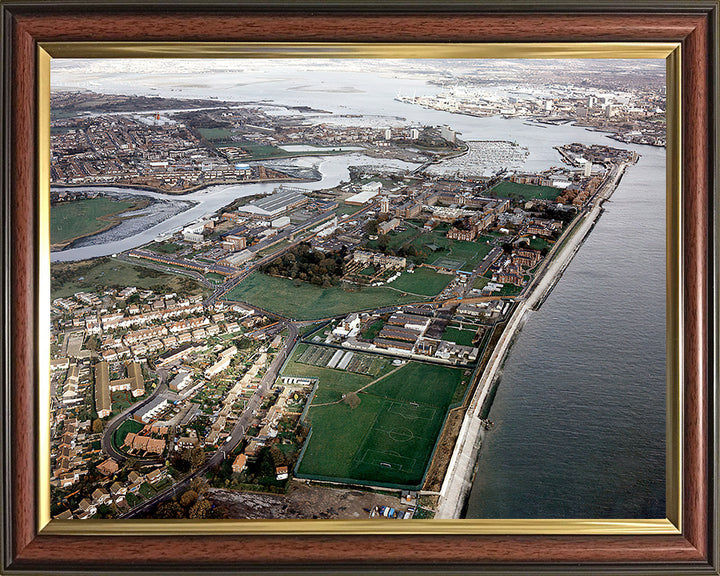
column 459, row 476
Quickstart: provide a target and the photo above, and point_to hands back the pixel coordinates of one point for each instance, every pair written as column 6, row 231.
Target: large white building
column 238, row 258
column 218, row 367
column 154, row 409
column 348, row 327
column 194, row 233
column 281, row 222
column 181, row 381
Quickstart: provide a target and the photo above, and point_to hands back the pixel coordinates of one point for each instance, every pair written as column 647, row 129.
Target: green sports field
column 423, row 281
column 461, row 337
column 458, row 254
column 507, row 189
column 335, row 383
column 387, row 438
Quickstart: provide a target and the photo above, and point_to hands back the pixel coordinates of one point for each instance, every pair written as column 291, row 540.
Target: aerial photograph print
column 358, row 289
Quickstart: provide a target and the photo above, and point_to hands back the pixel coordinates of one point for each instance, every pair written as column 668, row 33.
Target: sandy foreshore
column 459, row 476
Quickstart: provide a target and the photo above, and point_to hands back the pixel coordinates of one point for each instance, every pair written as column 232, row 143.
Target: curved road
column 112, row 426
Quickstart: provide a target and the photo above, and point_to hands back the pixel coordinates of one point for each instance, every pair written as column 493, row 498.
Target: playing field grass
column 388, row 438
column 68, row 278
column 424, row 281
column 398, row 445
column 461, row 337
column 480, row 282
column 308, row 302
column 261, row 150
column 430, row 384
column 70, row 220
column 458, row 251
column 506, row 189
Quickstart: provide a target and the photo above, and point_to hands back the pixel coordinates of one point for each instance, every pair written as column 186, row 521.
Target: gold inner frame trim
column 669, row 51
column 356, row 50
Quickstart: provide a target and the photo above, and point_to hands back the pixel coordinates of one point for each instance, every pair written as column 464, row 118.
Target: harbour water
column 580, row 408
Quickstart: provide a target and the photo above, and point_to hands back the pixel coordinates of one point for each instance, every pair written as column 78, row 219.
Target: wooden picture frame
column 29, row 547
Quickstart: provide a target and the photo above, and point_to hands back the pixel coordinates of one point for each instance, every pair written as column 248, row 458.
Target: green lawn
column 467, row 253
column 336, row 431
column 436, row 245
column 335, row 382
column 538, row 243
column 121, row 401
column 461, row 337
column 430, row 384
column 147, row 490
column 68, row 278
column 373, row 330
column 124, row 429
column 423, row 281
column 395, row 239
column 261, row 150
column 507, row 189
column 347, row 209
column 70, row 220
column 480, row 282
column 509, row 290
column 388, row 438
column 308, row 302
column 223, row 138
column 164, row 247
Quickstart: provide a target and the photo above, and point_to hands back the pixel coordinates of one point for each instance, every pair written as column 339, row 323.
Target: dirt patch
column 443, row 452
column 302, row 501
column 352, row 400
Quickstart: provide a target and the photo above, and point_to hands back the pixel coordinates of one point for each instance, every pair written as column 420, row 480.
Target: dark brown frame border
column 25, row 24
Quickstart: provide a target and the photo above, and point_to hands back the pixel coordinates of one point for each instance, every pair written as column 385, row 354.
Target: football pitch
column 388, row 438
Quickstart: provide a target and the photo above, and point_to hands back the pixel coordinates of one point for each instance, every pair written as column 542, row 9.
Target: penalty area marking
column 412, row 411
column 390, row 459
